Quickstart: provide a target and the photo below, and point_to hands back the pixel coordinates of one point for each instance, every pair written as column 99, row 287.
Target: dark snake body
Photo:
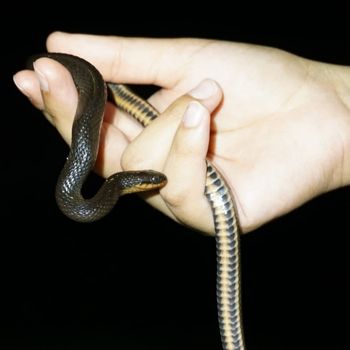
column 84, row 148
column 85, row 141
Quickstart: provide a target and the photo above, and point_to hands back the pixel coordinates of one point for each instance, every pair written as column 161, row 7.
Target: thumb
column 176, row 143
column 186, row 170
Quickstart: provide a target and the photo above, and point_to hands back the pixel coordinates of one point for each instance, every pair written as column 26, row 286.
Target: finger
column 186, row 170
column 163, row 97
column 152, row 147
column 59, row 100
column 130, row 60
column 59, row 94
column 27, row 82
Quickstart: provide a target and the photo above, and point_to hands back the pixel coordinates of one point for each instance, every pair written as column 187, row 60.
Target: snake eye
column 157, row 178
column 150, row 179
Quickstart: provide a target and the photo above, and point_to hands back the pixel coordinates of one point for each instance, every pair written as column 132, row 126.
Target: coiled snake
column 85, row 140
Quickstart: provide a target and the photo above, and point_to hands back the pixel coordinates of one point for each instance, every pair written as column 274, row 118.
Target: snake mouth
column 151, row 179
column 149, row 186
column 141, row 181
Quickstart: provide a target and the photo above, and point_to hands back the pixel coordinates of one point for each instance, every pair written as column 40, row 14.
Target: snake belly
column 85, row 139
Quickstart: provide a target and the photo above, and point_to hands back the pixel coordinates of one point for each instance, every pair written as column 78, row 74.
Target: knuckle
column 174, row 197
column 128, row 160
column 117, row 60
column 133, row 160
column 183, row 150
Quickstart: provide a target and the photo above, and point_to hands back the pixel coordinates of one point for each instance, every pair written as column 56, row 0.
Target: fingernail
column 44, row 85
column 193, row 115
column 204, row 90
column 20, row 86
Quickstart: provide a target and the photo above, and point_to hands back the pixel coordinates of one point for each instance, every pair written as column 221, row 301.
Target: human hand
column 279, row 135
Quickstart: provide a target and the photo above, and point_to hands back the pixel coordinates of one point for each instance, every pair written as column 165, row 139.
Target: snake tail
column 228, row 279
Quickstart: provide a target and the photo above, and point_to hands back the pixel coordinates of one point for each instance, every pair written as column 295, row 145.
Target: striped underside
column 126, row 100
column 228, row 260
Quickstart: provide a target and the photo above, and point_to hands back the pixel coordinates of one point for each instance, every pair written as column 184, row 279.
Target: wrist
column 341, row 82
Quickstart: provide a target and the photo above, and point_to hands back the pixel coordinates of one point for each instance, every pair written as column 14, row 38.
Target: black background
column 141, row 281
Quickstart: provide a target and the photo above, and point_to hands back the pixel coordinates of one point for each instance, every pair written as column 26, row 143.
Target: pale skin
column 276, row 125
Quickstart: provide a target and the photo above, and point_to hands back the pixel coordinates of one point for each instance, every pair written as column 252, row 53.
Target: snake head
column 141, row 181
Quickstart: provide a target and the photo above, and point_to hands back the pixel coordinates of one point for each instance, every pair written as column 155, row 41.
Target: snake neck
column 71, row 202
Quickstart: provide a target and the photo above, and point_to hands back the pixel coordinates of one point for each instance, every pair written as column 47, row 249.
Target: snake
column 92, row 97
